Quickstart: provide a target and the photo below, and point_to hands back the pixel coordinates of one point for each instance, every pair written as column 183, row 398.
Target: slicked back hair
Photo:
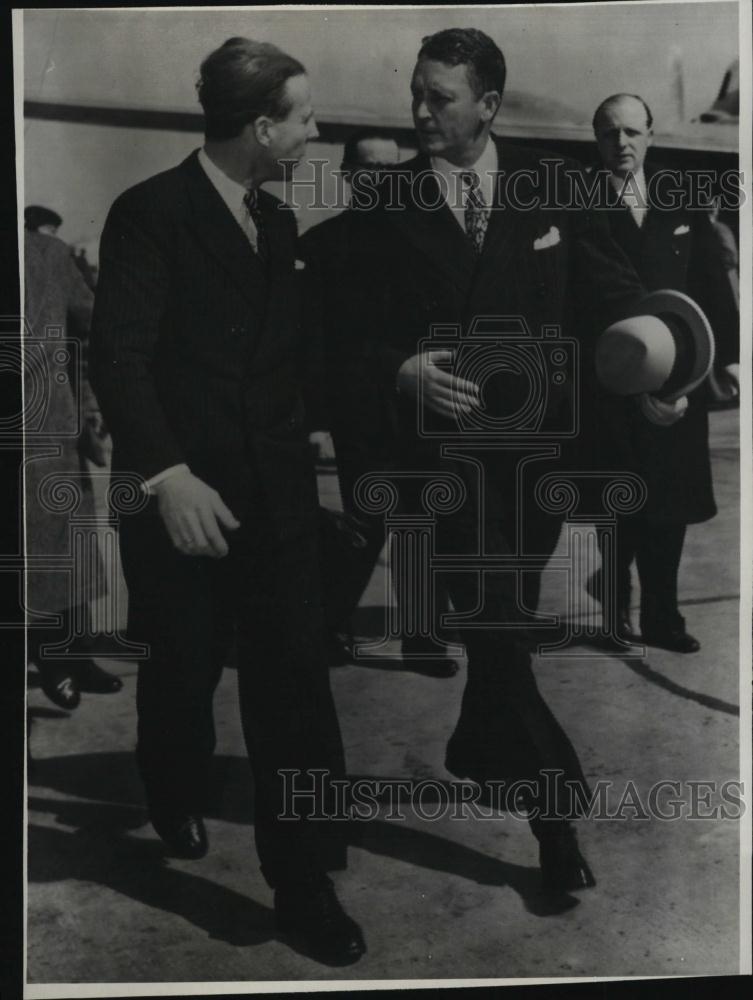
column 242, row 80
column 475, row 50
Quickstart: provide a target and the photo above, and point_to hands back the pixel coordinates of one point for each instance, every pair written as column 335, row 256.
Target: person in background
column 676, row 248
column 55, row 298
column 38, row 219
column 337, row 382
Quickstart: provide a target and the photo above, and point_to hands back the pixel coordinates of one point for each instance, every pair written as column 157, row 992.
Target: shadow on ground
column 101, row 848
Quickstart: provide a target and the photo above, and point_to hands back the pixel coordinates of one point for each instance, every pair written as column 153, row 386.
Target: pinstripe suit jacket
column 194, row 341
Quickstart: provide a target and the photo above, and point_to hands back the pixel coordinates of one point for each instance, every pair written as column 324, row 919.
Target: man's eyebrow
column 432, row 88
column 440, row 90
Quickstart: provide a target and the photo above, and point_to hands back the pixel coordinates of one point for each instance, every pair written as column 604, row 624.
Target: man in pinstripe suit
column 194, row 360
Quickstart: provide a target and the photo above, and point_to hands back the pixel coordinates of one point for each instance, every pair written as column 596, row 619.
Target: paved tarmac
column 438, row 899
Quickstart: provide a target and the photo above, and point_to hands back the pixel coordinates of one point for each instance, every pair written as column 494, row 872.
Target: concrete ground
column 443, row 899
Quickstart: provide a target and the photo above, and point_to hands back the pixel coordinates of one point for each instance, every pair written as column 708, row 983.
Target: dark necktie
column 251, row 201
column 476, row 212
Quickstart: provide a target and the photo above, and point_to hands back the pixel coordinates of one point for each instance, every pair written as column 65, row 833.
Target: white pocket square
column 550, row 239
column 300, row 265
column 681, row 230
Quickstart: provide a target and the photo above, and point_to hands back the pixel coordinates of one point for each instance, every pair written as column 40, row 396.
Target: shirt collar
column 486, row 166
column 636, row 183
column 231, row 192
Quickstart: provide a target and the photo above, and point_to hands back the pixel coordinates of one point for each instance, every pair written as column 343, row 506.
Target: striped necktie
column 251, row 201
column 476, row 212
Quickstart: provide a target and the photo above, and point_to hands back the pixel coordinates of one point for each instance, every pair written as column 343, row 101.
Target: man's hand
column 660, row 413
column 193, row 513
column 443, row 393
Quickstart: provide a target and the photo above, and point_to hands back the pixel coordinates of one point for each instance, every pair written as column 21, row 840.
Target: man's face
column 289, row 136
column 623, row 136
column 449, row 118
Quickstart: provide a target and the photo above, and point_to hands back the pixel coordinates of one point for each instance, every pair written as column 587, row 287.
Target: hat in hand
column 665, row 348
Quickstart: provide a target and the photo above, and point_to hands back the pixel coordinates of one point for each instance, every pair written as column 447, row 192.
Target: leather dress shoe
column 671, row 636
column 310, row 914
column 94, row 679
column 59, row 683
column 563, row 867
column 184, row 834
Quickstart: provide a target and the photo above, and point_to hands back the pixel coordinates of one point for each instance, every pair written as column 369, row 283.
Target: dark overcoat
column 58, row 398
column 674, row 248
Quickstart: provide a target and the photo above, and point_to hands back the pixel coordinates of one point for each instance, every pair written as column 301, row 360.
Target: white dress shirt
column 452, row 187
column 232, row 193
column 634, row 194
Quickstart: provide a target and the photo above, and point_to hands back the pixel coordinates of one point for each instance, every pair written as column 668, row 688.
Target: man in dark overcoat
column 472, row 229
column 195, row 360
column 671, row 244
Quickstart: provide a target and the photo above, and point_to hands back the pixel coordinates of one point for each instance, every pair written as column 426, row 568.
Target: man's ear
column 650, row 135
column 260, row 128
column 490, row 103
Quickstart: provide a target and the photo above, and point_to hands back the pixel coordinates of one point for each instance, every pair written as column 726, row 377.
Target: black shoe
column 563, row 867
column 433, row 666
column 94, row 679
column 59, row 683
column 311, row 915
column 670, row 636
column 184, row 834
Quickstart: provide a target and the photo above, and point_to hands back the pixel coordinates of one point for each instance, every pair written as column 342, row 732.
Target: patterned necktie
column 476, row 212
column 251, row 201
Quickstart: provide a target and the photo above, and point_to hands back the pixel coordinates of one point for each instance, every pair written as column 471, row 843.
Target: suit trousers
column 345, row 583
column 506, row 731
column 265, row 596
column 656, row 546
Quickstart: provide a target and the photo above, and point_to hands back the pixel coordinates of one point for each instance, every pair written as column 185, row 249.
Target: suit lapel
column 220, row 233
column 432, row 231
column 504, row 221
